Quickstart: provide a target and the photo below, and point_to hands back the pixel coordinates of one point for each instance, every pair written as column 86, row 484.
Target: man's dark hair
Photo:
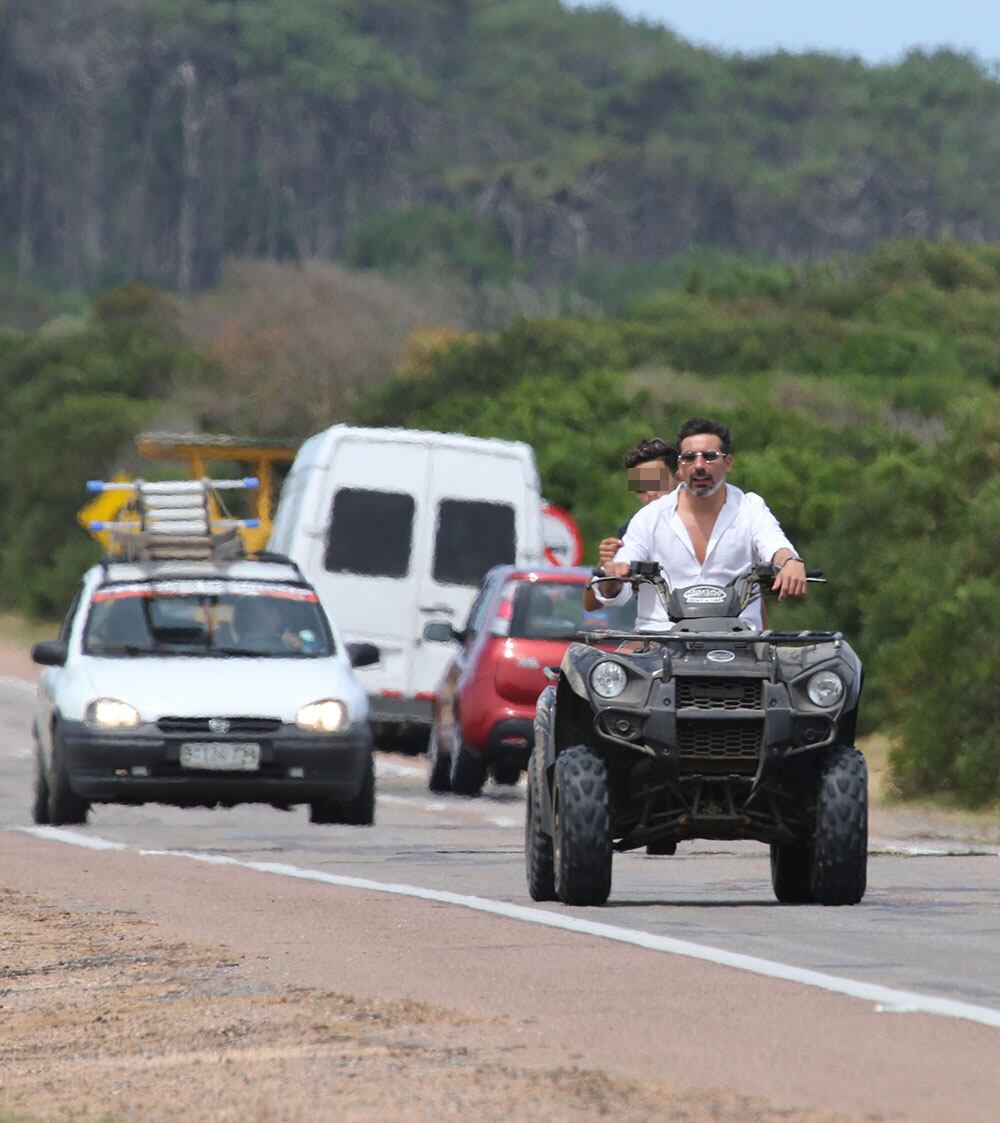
column 697, row 425
column 652, row 448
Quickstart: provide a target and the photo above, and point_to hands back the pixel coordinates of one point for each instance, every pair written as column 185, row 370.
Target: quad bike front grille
column 719, row 693
column 716, row 748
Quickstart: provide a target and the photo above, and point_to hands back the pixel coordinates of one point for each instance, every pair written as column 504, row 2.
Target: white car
column 201, row 683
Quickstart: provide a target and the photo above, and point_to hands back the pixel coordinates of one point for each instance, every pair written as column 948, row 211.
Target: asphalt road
column 928, row 925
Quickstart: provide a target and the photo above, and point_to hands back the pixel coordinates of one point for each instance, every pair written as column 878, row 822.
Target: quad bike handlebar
column 753, row 582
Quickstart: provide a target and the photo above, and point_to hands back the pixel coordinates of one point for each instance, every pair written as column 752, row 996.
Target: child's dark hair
column 652, row 448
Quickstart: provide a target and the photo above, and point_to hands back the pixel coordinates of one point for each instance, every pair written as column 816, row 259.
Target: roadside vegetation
column 864, row 396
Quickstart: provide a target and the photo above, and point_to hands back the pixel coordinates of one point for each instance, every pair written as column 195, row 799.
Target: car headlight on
column 109, row 713
column 327, row 716
column 825, row 688
column 608, row 679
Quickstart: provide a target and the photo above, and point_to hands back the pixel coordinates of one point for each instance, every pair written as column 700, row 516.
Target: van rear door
column 370, row 578
column 476, row 515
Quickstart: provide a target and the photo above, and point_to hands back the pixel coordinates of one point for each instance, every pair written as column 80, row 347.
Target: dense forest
column 153, row 139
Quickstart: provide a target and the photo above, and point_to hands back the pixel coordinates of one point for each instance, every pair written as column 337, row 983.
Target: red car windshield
column 554, row 610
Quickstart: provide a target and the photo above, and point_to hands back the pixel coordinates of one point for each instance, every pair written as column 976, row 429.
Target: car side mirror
column 363, row 654
column 50, row 653
column 440, row 631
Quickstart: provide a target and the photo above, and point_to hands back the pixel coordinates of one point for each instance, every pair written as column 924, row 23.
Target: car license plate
column 231, row 756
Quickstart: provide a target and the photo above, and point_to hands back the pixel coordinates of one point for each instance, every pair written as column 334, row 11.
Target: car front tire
column 439, row 779
column 360, row 811
column 65, row 806
column 40, row 803
column 468, row 772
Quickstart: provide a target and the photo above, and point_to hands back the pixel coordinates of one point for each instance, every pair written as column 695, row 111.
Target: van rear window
column 370, row 533
column 472, row 538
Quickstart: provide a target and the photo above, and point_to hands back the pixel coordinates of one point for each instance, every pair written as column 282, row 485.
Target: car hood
column 183, row 687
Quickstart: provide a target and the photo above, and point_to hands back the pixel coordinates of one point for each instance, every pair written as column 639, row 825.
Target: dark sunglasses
column 709, row 455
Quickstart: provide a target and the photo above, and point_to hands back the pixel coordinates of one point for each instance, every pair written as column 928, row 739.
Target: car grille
column 719, row 693
column 719, row 747
column 237, row 725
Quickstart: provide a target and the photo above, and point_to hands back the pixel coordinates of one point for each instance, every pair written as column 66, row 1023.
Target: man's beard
column 699, row 489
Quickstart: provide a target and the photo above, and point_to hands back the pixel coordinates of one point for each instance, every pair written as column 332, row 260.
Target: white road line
column 22, row 684
column 885, row 999
column 385, row 767
column 87, row 841
column 905, row 850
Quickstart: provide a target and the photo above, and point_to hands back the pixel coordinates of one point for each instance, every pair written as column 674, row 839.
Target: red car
column 521, row 622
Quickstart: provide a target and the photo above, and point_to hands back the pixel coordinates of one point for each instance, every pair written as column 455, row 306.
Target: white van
column 395, row 528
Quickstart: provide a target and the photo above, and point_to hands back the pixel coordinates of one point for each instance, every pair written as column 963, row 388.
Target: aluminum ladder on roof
column 174, row 520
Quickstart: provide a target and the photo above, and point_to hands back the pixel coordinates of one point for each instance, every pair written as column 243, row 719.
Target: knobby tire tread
column 841, row 853
column 583, row 845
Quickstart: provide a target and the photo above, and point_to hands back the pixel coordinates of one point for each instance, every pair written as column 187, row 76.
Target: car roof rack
column 174, row 520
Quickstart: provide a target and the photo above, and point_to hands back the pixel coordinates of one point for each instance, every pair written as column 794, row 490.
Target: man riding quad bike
column 709, row 730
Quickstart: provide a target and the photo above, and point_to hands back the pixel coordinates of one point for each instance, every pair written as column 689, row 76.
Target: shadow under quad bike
column 710, row 730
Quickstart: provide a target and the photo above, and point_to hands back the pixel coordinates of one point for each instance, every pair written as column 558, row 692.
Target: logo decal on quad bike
column 721, row 656
column 704, row 594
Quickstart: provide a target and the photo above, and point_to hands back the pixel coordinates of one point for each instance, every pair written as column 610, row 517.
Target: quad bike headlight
column 825, row 688
column 109, row 713
column 608, row 679
column 328, row 716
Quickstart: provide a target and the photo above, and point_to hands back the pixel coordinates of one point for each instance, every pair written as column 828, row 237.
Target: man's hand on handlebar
column 790, row 580
column 617, row 570
column 614, row 572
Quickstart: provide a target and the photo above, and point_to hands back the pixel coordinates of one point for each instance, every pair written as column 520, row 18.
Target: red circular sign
column 563, row 544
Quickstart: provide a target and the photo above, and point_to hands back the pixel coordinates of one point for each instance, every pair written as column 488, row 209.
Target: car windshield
column 217, row 618
column 554, row 610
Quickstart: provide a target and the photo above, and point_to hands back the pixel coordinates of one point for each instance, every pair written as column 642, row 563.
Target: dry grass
column 297, row 345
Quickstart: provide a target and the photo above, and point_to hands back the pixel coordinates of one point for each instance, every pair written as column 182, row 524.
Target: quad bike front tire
column 840, row 856
column 582, row 836
column 538, row 859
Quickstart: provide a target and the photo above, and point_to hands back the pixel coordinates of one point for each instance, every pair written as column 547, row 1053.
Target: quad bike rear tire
column 582, row 836
column 841, row 851
column 538, row 859
column 791, row 874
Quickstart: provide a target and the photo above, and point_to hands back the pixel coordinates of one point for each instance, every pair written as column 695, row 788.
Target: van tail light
column 505, row 611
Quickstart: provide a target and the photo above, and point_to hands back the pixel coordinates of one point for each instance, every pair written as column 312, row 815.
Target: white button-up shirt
column 745, row 534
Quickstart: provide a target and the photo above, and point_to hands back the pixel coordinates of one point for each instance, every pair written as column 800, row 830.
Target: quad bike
column 709, row 730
